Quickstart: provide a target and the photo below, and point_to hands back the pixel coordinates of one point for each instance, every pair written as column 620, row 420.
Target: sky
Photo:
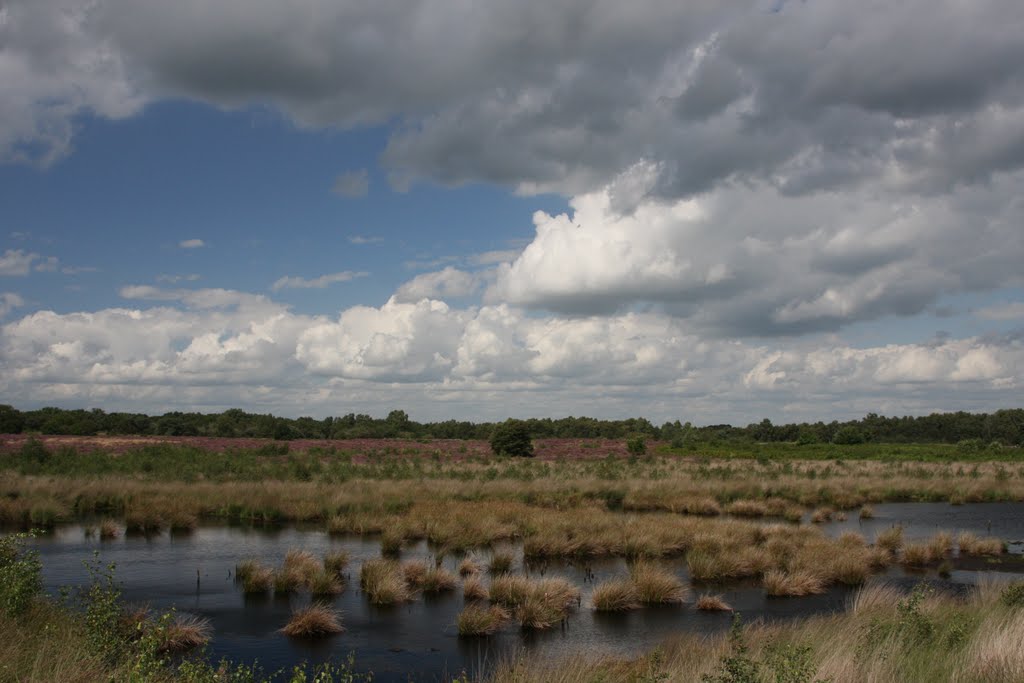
column 703, row 211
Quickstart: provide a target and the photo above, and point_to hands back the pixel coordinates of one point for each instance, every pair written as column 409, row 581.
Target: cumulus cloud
column 352, row 184
column 806, row 96
column 191, row 244
column 442, row 284
column 485, row 362
column 294, row 282
column 754, row 261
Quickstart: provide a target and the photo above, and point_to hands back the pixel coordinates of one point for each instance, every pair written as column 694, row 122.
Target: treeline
column 1003, row 426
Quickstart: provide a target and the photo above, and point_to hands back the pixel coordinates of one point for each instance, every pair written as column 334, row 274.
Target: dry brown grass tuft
column 474, row 589
column 324, row 582
column 656, row 585
column 713, row 603
column 383, row 582
column 109, row 530
column 996, row 653
column 477, row 620
column 972, row 545
column 184, row 633
column 891, row 539
column 747, row 508
column 336, row 561
column 470, row 565
column 301, row 562
column 501, row 562
column 287, row 581
column 780, row 583
column 547, row 603
column 509, row 590
column 424, row 577
column 822, row 515
column 615, row 595
column 315, row 621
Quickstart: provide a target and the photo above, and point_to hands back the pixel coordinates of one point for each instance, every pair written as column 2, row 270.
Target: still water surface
column 419, row 640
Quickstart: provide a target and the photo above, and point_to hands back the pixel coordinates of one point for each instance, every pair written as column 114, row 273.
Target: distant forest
column 1004, row 426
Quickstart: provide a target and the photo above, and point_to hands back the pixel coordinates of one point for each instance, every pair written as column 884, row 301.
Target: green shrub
column 848, row 436
column 20, row 575
column 1013, row 595
column 637, row 445
column 512, row 437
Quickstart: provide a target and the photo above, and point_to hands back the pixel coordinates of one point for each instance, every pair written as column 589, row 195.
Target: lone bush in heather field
column 512, row 437
column 636, row 445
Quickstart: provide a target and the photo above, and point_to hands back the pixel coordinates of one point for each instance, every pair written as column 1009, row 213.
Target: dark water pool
column 419, row 640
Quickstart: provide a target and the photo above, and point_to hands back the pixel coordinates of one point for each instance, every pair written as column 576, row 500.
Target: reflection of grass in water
column 712, row 603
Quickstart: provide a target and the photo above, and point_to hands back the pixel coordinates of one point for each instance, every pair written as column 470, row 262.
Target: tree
column 512, row 437
column 847, row 436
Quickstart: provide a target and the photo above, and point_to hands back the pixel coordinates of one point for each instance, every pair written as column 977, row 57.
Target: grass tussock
column 656, row 585
column 970, row 544
column 424, row 577
column 470, row 565
column 713, row 603
column 301, row 562
column 185, row 632
column 547, row 603
column 314, row 621
column 822, row 515
column 384, row 582
column 501, row 562
column 473, row 588
column 615, row 595
column 509, row 590
column 324, row 582
column 779, row 583
column 891, row 539
column 336, row 561
column 534, row 603
column 109, row 530
column 478, row 620
column 867, row 512
column 254, row 577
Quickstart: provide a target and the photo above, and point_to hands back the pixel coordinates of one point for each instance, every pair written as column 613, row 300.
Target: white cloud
column 289, row 282
column 1012, row 310
column 490, row 258
column 365, row 239
column 191, row 244
column 751, row 261
column 15, row 262
column 442, row 284
column 223, row 348
column 352, row 184
column 8, row 302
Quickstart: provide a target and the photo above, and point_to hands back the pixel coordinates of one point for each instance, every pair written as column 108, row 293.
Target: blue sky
column 699, row 212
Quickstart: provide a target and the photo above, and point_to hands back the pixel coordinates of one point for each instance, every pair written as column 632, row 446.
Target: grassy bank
column 884, row 637
column 170, row 485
